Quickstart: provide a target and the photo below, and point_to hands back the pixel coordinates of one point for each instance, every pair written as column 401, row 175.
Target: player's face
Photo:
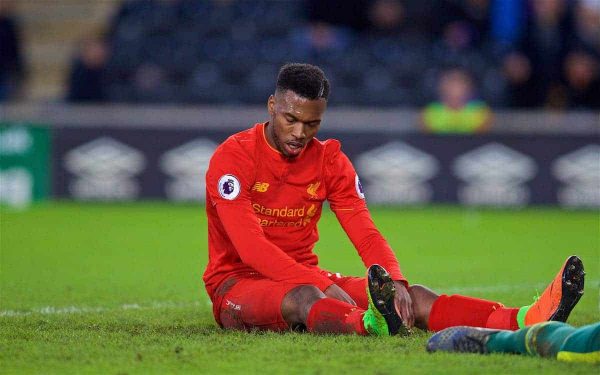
column 294, row 121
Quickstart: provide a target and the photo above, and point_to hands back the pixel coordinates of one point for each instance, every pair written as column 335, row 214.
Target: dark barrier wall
column 496, row 170
column 127, row 164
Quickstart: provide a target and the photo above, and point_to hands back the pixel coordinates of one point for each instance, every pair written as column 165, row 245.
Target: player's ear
column 271, row 105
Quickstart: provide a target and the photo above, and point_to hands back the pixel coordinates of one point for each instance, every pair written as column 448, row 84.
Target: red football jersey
column 263, row 210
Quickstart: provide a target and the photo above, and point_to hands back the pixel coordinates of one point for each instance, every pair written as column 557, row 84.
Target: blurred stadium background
column 480, row 102
column 472, row 104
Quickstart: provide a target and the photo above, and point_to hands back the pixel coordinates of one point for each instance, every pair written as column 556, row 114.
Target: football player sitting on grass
column 266, row 187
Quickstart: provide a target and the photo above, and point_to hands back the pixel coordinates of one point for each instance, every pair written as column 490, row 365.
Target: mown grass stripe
column 159, row 305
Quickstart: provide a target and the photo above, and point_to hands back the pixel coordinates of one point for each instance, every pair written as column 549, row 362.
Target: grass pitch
column 92, row 288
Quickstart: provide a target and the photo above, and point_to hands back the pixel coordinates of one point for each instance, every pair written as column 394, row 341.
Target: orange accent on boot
column 546, row 305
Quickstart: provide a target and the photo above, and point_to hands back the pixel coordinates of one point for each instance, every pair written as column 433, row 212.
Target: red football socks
column 456, row 310
column 329, row 315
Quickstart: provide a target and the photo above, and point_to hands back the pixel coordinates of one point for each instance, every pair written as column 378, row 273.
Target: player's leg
column 355, row 287
column 308, row 306
column 436, row 312
column 259, row 303
column 548, row 339
column 423, row 300
column 457, row 310
column 542, row 339
column 449, row 310
column 253, row 302
column 583, row 345
column 559, row 298
column 297, row 303
column 555, row 303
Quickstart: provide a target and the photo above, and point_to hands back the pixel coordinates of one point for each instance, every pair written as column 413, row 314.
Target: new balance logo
column 261, row 187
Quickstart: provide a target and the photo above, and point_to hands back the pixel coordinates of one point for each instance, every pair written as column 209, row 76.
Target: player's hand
column 403, row 304
column 334, row 291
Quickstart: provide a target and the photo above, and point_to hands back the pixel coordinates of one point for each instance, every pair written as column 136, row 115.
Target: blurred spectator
column 523, row 90
column 386, row 17
column 86, row 81
column 582, row 81
column 462, row 27
column 462, row 22
column 477, row 14
column 545, row 43
column 330, row 26
column 587, row 25
column 189, row 51
column 320, row 37
column 420, row 19
column 12, row 67
column 456, row 111
column 457, row 36
column 150, row 83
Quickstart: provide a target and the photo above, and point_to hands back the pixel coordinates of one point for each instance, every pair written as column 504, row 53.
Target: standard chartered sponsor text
column 299, row 216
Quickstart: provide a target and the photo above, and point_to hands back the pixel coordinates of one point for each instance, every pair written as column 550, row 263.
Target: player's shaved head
column 308, row 81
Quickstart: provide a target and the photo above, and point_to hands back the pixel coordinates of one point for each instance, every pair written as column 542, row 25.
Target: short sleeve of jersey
column 344, row 190
column 229, row 176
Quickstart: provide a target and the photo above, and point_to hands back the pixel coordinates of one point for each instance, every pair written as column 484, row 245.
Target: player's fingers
column 411, row 315
column 406, row 310
column 407, row 316
column 398, row 305
column 400, row 310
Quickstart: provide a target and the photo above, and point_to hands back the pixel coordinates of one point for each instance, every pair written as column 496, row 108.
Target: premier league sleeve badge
column 229, row 187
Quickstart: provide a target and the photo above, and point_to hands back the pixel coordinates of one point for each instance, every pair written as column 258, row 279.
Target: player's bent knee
column 303, row 295
column 297, row 303
column 421, row 293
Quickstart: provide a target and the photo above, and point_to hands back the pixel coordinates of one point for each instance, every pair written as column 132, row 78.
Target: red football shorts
column 254, row 302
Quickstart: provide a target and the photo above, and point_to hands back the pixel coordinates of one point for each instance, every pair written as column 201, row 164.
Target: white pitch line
column 52, row 310
column 505, row 288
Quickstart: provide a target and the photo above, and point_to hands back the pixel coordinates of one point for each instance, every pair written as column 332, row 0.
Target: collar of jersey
column 264, row 136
